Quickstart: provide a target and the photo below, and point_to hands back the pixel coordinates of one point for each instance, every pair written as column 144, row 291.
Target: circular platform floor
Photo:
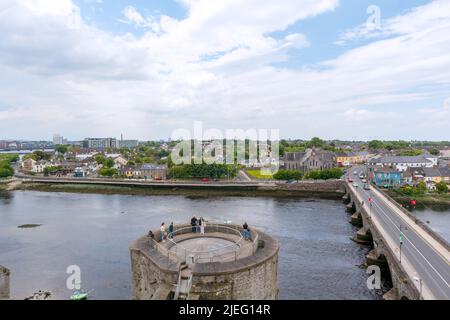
column 206, row 249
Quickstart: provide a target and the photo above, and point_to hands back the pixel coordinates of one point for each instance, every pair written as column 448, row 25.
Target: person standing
column 171, row 230
column 202, row 226
column 194, row 224
column 246, row 231
column 162, row 231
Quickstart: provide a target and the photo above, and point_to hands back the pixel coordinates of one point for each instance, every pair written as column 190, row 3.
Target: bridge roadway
column 424, row 258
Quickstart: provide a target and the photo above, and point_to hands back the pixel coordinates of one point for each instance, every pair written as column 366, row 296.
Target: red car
column 205, row 179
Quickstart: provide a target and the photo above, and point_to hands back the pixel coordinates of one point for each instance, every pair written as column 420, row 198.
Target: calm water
column 317, row 258
column 437, row 218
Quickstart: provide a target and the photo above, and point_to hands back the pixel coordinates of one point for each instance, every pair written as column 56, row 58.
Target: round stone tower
column 219, row 264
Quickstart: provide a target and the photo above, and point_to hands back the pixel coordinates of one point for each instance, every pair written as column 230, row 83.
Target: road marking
column 395, row 225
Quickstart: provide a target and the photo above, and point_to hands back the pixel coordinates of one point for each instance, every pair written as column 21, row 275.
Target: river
column 317, row 258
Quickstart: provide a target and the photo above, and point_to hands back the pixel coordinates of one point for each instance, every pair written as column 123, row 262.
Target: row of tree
column 326, row 174
column 421, row 188
column 213, row 171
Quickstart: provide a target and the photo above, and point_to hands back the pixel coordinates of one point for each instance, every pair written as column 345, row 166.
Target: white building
column 403, row 163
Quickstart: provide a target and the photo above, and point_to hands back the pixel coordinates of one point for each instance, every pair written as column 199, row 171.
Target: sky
column 336, row 69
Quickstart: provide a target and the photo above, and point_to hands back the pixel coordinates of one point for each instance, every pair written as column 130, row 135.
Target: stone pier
column 4, row 283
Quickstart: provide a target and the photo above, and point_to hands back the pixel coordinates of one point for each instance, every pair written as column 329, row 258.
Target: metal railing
column 176, row 252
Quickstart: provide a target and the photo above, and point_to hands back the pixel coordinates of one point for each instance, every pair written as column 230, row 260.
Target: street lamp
column 419, row 280
column 401, row 241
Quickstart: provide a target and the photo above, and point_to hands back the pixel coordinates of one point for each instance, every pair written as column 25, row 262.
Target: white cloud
column 215, row 65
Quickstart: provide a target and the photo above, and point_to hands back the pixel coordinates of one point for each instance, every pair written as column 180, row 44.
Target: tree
column 316, row 142
column 108, row 163
column 287, row 175
column 421, row 187
column 60, row 148
column 100, row 159
column 6, row 170
column 435, row 152
column 326, row 174
column 376, row 144
column 441, row 187
column 107, row 172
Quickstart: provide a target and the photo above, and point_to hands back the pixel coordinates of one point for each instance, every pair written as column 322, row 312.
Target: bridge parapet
column 370, row 235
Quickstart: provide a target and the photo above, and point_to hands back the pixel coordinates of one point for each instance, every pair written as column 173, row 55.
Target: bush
column 326, row 174
column 107, row 172
column 287, row 175
column 441, row 187
column 6, row 170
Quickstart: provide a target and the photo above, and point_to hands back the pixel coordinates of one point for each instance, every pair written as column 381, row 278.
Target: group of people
column 196, row 223
column 163, row 234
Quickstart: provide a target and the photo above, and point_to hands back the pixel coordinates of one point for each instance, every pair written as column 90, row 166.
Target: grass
column 257, row 174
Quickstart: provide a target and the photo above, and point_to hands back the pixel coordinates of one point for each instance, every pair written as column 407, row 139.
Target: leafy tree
column 60, row 148
column 376, row 144
column 326, row 174
column 52, row 169
column 6, row 170
column 316, row 142
column 287, row 175
column 100, row 159
column 410, row 153
column 435, row 152
column 107, row 172
column 421, row 187
column 441, row 187
column 108, row 163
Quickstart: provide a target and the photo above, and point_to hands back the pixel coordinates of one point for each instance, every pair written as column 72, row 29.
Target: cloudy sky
column 145, row 68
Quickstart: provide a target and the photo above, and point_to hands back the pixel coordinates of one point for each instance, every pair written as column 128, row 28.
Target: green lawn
column 256, row 173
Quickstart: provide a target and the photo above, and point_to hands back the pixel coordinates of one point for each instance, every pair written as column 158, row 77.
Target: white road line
column 395, row 225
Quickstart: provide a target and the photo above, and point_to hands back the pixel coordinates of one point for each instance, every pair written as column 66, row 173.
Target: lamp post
column 401, row 241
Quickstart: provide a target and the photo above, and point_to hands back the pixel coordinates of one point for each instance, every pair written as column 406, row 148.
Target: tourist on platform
column 202, row 226
column 194, row 224
column 163, row 231
column 171, row 230
column 246, row 231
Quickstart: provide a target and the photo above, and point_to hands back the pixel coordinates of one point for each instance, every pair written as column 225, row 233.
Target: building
column 120, row 161
column 310, row 160
column 100, row 143
column 345, row 159
column 403, row 163
column 28, row 164
column 128, row 144
column 146, row 171
column 386, row 177
column 58, row 139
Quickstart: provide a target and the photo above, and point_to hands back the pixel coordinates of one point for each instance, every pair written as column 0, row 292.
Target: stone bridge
column 410, row 255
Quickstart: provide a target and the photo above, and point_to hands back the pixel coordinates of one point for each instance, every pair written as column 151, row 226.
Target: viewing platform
column 219, row 264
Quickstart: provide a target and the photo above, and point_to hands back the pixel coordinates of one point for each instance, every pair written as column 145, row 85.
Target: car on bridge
column 366, row 187
column 355, row 185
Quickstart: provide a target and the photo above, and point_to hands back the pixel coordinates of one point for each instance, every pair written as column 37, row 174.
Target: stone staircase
column 184, row 283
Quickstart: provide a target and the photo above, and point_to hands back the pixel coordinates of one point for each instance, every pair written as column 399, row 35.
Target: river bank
column 422, row 200
column 304, row 192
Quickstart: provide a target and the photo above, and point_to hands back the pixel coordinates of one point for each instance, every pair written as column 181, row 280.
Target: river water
column 317, row 258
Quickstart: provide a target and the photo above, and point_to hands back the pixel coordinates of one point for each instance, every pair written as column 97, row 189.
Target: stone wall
column 252, row 277
column 4, row 283
column 313, row 186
